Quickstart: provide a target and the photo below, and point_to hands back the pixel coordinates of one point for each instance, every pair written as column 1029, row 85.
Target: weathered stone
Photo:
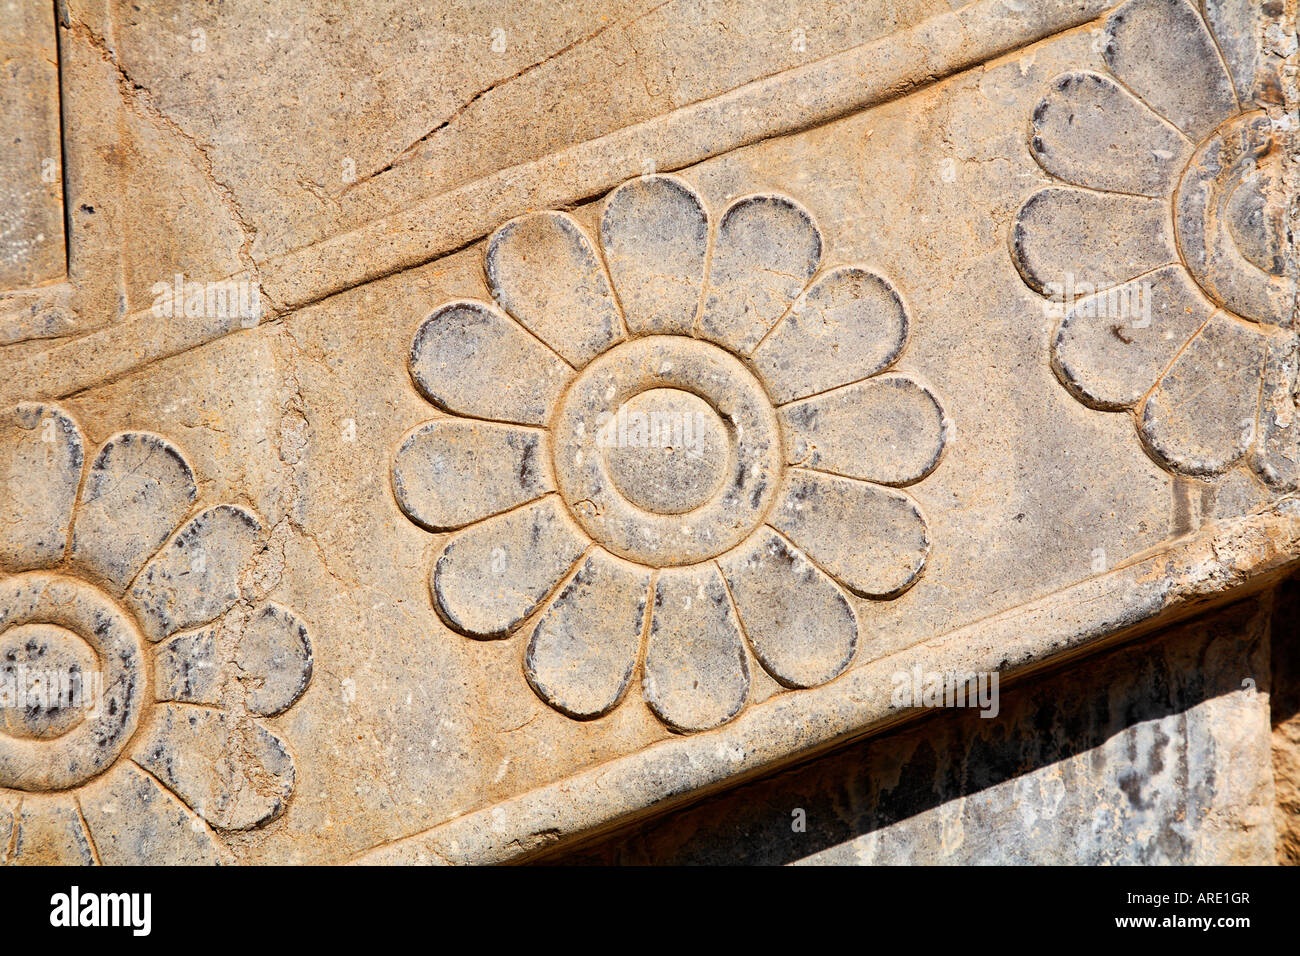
column 766, row 248
column 244, row 783
column 584, row 649
column 1086, row 121
column 195, row 577
column 1229, row 217
column 890, row 429
column 188, row 668
column 696, row 676
column 492, row 575
column 800, row 625
column 274, row 660
column 1097, row 239
column 31, row 199
column 655, row 234
column 135, row 821
column 1149, row 42
column 471, row 359
column 667, row 450
column 1155, row 754
column 76, row 724
column 40, row 607
column 448, row 474
column 50, row 833
column 139, row 488
column 1110, row 357
column 704, row 363
column 1202, row 430
column 849, row 325
column 1276, row 455
column 543, row 270
column 873, row 540
column 41, row 456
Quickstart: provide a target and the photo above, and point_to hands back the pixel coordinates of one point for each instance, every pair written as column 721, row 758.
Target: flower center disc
column 666, row 450
column 53, row 668
column 1229, row 217
column 48, row 622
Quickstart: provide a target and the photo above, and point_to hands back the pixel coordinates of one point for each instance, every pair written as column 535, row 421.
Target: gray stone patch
column 891, row 430
column 872, row 539
column 544, row 271
column 655, row 235
column 447, row 474
column 696, row 675
column 492, row 575
column 582, row 653
column 849, row 325
column 1204, row 431
column 526, row 377
column 196, row 576
column 766, row 249
column 1148, row 42
column 246, row 785
column 1102, row 239
column 41, row 456
column 139, row 488
column 800, row 626
column 1087, row 120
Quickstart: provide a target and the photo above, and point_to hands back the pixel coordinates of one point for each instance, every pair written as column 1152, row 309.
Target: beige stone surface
column 454, row 430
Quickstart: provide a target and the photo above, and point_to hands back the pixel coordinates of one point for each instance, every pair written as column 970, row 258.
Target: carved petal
column 656, row 235
column 582, row 653
column 1163, row 52
column 873, row 540
column 766, row 250
column 1088, row 131
column 1200, row 417
column 696, row 674
column 41, row 457
column 798, row 622
column 544, row 271
column 493, row 574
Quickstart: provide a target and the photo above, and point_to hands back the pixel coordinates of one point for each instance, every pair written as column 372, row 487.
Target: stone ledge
column 1224, row 563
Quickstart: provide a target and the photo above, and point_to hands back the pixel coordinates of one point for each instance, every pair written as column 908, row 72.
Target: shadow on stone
column 1285, row 707
column 1155, row 752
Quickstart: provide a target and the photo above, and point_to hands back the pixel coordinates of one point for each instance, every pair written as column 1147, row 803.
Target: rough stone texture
column 104, row 771
column 31, row 201
column 1155, row 754
column 457, row 430
column 1285, row 715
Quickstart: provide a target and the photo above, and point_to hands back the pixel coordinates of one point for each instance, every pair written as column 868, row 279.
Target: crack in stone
column 407, row 153
column 139, row 96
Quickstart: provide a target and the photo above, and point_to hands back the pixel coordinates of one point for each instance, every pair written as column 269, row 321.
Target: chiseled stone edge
column 432, row 226
column 1224, row 563
column 795, row 99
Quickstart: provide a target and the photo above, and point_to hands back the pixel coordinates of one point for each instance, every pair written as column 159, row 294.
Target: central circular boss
column 52, row 624
column 667, row 450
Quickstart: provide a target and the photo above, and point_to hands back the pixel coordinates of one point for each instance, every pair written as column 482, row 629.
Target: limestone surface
column 679, row 460
column 127, row 723
column 459, row 432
